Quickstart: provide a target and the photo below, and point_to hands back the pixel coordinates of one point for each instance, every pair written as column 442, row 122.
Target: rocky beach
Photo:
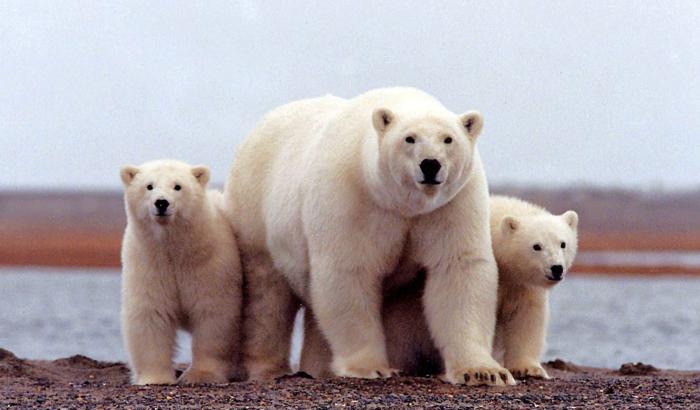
column 81, row 382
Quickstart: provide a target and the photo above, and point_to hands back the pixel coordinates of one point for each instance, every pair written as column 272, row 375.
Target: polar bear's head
column 164, row 192
column 426, row 155
column 538, row 250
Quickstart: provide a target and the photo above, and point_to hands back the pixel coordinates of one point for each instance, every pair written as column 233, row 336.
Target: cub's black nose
column 430, row 168
column 162, row 205
column 557, row 271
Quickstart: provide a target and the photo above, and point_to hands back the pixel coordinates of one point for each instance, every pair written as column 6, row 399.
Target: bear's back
column 274, row 154
column 400, row 100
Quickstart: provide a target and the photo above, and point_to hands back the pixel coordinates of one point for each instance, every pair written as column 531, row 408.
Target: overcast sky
column 597, row 92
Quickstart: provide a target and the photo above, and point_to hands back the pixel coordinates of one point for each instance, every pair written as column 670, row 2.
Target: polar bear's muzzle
column 556, row 273
column 161, row 207
column 430, row 169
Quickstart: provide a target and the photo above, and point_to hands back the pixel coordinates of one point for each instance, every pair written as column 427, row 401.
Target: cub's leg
column 150, row 340
column 524, row 335
column 316, row 355
column 214, row 343
column 268, row 318
column 408, row 341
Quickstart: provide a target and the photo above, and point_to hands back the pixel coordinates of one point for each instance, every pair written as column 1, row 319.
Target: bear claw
column 368, row 374
column 533, row 371
column 490, row 376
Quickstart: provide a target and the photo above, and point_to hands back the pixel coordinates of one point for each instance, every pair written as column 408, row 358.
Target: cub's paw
column 476, row 376
column 535, row 371
column 195, row 376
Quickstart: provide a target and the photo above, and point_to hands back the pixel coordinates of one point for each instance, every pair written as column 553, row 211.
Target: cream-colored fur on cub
column 534, row 250
column 326, row 194
column 181, row 269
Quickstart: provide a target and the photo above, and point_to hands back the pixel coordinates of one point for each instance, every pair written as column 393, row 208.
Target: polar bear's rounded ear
column 571, row 219
column 382, row 119
column 201, row 173
column 128, row 173
column 509, row 224
column 473, row 122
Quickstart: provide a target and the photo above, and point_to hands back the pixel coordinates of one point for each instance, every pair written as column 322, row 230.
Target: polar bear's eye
column 410, row 140
column 178, row 187
column 537, row 247
column 563, row 245
column 149, row 187
column 448, row 140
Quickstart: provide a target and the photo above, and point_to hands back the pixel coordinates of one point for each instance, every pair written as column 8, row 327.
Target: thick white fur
column 325, row 196
column 525, row 277
column 523, row 301
column 180, row 271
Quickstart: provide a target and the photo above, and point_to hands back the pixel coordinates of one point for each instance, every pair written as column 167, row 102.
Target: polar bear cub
column 180, row 270
column 534, row 250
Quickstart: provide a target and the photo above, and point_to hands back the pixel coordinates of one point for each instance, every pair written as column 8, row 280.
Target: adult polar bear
column 327, row 194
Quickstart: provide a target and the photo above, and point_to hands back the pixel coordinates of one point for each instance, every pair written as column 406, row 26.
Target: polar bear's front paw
column 533, row 370
column 365, row 364
column 475, row 376
column 196, row 376
column 155, row 378
column 365, row 371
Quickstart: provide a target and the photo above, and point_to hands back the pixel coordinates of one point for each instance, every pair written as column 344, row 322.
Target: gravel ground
column 81, row 382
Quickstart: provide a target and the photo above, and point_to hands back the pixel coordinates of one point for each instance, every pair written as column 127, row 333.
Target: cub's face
column 542, row 248
column 429, row 157
column 164, row 192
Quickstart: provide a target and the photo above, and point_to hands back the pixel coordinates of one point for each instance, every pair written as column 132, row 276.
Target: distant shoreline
column 85, row 249
column 84, row 229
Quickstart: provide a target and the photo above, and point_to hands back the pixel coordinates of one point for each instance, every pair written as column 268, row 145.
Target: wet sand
column 81, row 382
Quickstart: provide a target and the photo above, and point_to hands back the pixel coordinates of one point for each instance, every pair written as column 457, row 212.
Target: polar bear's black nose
column 430, row 168
column 557, row 271
column 162, row 205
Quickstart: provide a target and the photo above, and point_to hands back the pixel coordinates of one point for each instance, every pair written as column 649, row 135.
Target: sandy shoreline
column 81, row 382
column 68, row 247
column 85, row 228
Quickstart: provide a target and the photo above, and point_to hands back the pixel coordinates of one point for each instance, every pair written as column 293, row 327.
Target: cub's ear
column 571, row 219
column 201, row 172
column 472, row 121
column 509, row 224
column 382, row 119
column 128, row 173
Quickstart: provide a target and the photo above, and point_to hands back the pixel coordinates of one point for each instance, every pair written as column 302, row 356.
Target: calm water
column 595, row 321
column 635, row 258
